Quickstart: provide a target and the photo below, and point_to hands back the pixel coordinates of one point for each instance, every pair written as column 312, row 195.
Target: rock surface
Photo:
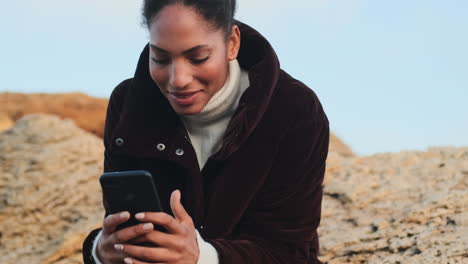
column 5, row 122
column 87, row 112
column 408, row 207
column 338, row 146
column 49, row 190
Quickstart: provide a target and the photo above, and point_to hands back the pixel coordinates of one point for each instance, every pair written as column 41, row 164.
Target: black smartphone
column 132, row 191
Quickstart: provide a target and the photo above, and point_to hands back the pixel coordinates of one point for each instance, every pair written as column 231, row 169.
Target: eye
column 160, row 61
column 199, row 61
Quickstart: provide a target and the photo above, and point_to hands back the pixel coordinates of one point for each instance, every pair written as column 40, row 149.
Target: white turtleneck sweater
column 206, row 131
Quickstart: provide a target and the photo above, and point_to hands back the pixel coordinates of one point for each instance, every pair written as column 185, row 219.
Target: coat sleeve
column 111, row 162
column 281, row 223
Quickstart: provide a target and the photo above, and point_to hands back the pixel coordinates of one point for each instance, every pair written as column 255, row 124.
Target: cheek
column 158, row 76
column 214, row 75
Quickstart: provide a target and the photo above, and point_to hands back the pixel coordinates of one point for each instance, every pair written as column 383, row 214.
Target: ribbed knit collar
column 223, row 103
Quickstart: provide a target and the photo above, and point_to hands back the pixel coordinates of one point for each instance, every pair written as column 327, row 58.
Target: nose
column 180, row 75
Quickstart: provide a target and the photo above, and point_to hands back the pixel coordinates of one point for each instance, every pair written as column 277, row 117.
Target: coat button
column 161, row 147
column 119, row 142
column 201, row 227
column 179, row 152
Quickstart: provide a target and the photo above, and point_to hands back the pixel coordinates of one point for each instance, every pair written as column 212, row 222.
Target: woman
column 237, row 147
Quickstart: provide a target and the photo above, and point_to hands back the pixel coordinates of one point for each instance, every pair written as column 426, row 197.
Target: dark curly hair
column 219, row 12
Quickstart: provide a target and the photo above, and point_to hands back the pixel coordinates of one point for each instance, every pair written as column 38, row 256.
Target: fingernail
column 123, row 215
column 118, row 247
column 140, row 216
column 128, row 260
column 148, row 226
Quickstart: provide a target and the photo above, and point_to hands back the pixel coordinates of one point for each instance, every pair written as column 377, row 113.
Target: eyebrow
column 184, row 52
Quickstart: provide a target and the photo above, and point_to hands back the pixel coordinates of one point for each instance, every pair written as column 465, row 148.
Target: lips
column 184, row 98
column 184, row 95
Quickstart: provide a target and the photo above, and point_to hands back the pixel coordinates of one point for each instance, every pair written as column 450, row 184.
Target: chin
column 190, row 110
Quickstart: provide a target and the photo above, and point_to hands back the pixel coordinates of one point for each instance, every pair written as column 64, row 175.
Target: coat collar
column 147, row 117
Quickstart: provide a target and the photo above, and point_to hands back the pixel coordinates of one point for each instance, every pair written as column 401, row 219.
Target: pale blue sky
column 392, row 75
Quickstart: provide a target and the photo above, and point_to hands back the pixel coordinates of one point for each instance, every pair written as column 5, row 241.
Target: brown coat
column 258, row 199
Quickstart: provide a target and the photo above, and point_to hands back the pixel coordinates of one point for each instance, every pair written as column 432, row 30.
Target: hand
column 177, row 246
column 110, row 236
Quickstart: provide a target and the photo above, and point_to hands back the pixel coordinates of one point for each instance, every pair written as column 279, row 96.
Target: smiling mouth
column 185, row 98
column 184, row 95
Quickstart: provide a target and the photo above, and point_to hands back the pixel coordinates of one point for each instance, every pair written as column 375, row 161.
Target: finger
column 163, row 219
column 112, row 255
column 112, row 221
column 137, row 240
column 161, row 239
column 151, row 254
column 145, row 238
column 177, row 209
column 105, row 250
column 131, row 232
column 141, row 241
column 135, row 261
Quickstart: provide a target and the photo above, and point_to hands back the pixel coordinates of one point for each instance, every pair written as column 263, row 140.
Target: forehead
column 176, row 27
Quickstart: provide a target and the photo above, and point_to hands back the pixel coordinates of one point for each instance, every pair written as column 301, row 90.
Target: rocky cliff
column 88, row 112
column 408, row 207
column 49, row 190
column 5, row 122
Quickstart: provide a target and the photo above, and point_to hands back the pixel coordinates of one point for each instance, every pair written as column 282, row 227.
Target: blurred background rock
column 407, row 207
column 87, row 112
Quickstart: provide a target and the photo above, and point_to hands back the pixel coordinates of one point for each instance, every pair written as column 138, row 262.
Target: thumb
column 177, row 209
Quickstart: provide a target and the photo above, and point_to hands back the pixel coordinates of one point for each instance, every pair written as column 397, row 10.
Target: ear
column 234, row 43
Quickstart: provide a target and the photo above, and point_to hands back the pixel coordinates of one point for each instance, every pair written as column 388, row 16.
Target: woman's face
column 189, row 58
